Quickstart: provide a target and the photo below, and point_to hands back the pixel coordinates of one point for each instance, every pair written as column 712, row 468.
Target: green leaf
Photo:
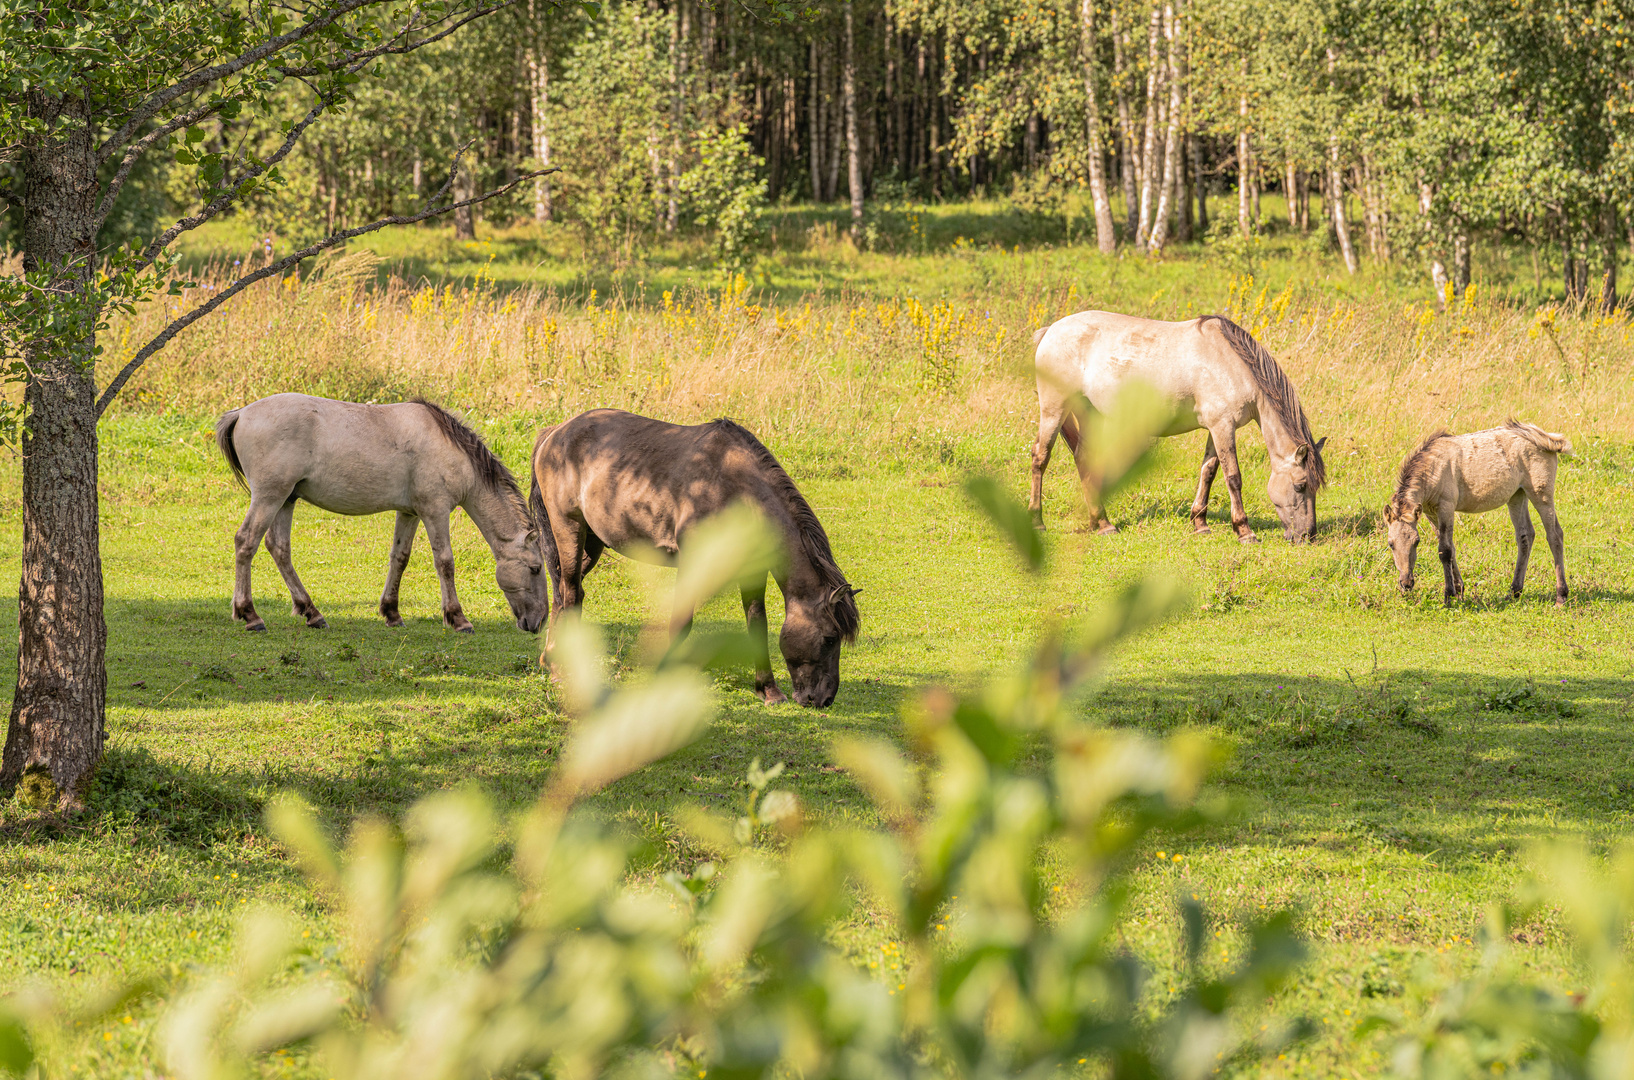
column 1013, row 520
column 16, row 1054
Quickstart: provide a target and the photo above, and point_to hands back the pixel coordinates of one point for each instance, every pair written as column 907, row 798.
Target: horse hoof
column 772, row 696
column 1107, row 530
column 394, row 624
column 1249, row 539
column 1201, row 530
column 466, row 629
column 256, row 627
column 317, row 624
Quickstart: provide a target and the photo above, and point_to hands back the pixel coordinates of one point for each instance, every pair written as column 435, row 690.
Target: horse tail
column 1038, row 335
column 224, row 443
column 1544, row 440
column 541, row 518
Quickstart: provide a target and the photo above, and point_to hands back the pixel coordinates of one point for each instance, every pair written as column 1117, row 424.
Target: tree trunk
column 1289, row 185
column 853, row 146
column 1336, row 188
column 1128, row 163
column 815, row 124
column 1148, row 148
column 1171, row 143
column 539, row 109
column 1608, row 258
column 1460, row 263
column 834, row 114
column 465, row 218
column 1194, row 151
column 1245, row 220
column 56, row 733
column 1106, row 237
column 678, row 46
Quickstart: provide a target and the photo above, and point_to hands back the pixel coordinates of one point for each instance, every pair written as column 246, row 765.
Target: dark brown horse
column 613, row 479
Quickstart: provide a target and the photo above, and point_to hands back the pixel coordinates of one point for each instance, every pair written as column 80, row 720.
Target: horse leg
column 754, row 611
column 1205, row 481
column 1049, row 426
column 260, row 517
column 1524, row 535
column 1557, row 540
column 1225, row 442
column 402, row 546
column 442, row 557
column 1097, row 513
column 1454, row 581
column 278, row 548
column 566, row 553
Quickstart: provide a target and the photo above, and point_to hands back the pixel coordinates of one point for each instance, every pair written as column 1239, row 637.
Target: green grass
column 1391, row 759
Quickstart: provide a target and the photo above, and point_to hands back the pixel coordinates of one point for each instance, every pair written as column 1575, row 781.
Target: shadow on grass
column 1454, row 766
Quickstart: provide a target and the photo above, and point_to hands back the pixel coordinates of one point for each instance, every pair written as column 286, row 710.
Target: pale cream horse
column 1471, row 474
column 1217, row 377
column 413, row 458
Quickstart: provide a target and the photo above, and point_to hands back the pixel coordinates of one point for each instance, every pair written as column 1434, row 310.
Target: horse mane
column 1276, row 390
column 813, row 540
column 489, row 469
column 1416, row 468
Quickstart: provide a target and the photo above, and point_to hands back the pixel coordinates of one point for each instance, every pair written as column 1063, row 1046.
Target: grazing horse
column 613, row 479
column 1216, row 376
column 414, row 458
column 1471, row 474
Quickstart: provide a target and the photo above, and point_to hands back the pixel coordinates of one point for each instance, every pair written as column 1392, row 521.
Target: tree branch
column 140, row 146
column 182, row 323
column 396, row 47
column 205, row 76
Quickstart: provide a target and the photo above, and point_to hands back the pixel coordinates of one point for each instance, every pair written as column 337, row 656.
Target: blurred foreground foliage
column 472, row 947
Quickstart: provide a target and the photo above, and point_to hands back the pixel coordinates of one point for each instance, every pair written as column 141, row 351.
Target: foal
column 1471, row 474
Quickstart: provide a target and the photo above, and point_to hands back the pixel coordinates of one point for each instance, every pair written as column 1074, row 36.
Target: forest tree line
column 1438, row 121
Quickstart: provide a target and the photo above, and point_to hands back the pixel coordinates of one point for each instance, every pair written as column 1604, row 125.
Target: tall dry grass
column 878, row 374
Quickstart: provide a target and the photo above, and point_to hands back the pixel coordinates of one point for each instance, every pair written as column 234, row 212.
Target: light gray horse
column 414, row 458
column 1471, row 474
column 1217, row 377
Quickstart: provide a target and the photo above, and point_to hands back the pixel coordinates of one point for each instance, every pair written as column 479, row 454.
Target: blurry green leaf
column 16, row 1052
column 736, row 545
column 978, row 725
column 289, row 1017
column 728, row 649
column 1117, row 443
column 1013, row 519
column 779, row 807
column 577, row 659
column 879, row 768
column 296, row 827
column 635, row 728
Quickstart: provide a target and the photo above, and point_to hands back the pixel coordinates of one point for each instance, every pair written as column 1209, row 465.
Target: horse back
column 1096, row 352
column 635, row 480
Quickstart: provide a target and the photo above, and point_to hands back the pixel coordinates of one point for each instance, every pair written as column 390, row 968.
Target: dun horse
column 1471, row 474
column 413, row 458
column 613, row 479
column 1218, row 378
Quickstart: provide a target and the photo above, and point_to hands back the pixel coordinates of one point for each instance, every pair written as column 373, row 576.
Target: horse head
column 1292, row 488
column 1401, row 528
column 814, row 626
column 519, row 569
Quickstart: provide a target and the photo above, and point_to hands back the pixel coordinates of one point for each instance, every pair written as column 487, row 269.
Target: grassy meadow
column 1392, row 760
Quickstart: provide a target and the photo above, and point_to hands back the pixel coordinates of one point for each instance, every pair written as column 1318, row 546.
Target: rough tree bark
column 853, row 144
column 1106, row 237
column 465, row 218
column 57, row 730
column 815, row 125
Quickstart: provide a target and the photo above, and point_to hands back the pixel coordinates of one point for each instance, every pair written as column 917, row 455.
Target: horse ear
column 1320, row 443
column 532, row 537
column 1389, row 513
column 1302, row 454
